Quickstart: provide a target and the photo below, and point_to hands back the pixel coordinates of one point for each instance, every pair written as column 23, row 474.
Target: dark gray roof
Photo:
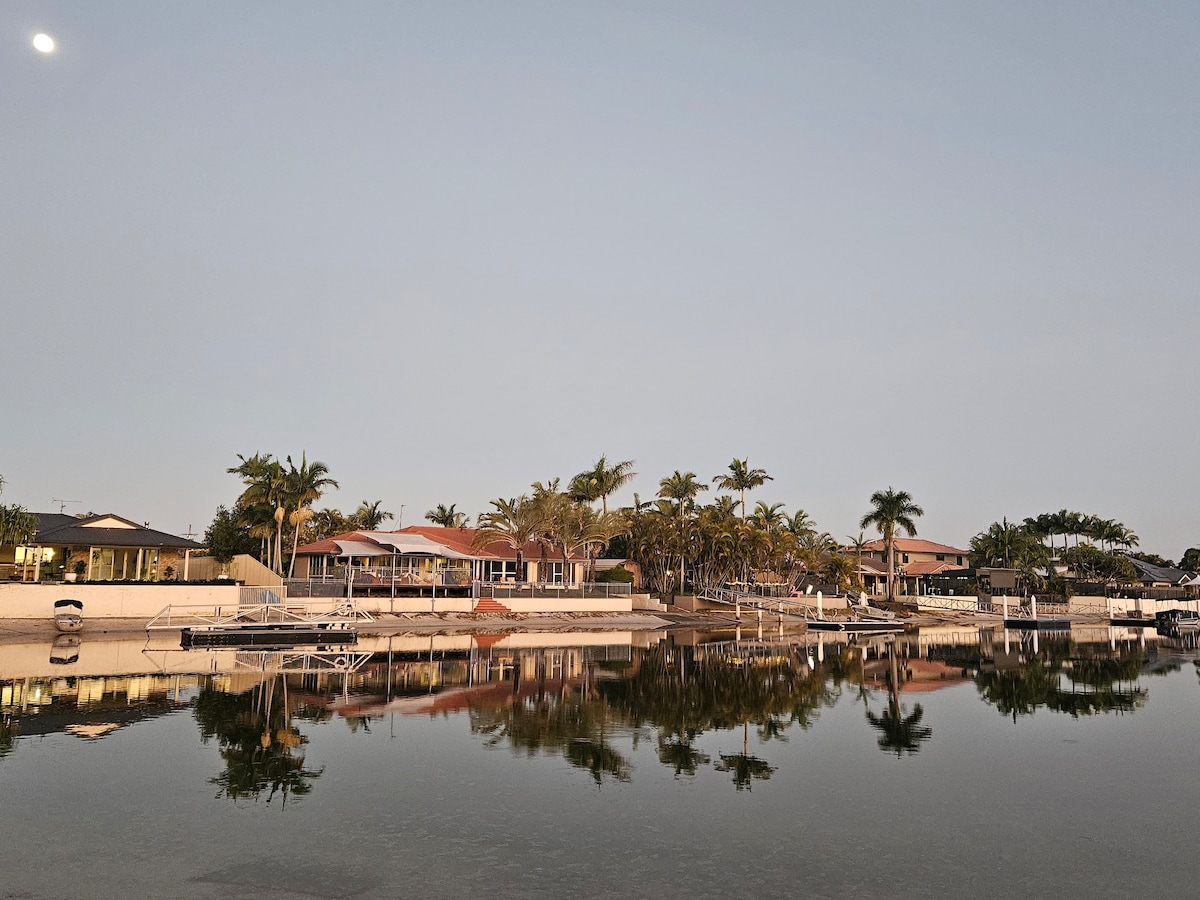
column 58, row 529
column 1152, row 574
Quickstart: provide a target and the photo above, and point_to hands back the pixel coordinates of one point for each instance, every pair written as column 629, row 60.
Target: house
column 97, row 548
column 916, row 561
column 430, row 554
column 1151, row 576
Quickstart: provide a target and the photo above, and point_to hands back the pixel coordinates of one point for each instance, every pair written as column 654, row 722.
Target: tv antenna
column 62, row 504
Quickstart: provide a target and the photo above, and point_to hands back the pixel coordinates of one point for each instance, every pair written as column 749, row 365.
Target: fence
column 549, row 591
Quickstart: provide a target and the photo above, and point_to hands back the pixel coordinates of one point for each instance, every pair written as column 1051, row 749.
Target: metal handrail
column 188, row 615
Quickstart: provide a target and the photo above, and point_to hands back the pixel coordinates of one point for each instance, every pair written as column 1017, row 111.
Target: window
column 499, row 569
column 941, row 557
column 905, row 559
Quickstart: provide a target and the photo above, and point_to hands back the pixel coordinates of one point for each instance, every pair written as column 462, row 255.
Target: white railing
column 191, row 615
column 500, row 590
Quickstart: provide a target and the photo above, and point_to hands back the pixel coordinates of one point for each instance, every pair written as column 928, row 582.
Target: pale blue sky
column 450, row 249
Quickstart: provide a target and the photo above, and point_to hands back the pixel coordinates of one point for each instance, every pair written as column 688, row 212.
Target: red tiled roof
column 458, row 539
column 328, row 545
column 462, row 540
column 929, row 567
column 912, row 545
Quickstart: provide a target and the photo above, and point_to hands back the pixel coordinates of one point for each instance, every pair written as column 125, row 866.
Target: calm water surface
column 605, row 765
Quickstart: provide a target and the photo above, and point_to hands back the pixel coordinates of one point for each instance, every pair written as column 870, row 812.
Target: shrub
column 617, row 575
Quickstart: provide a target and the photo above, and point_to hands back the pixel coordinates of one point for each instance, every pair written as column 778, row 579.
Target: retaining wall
column 109, row 601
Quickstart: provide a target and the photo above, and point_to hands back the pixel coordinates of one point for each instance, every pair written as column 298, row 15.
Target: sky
column 450, row 249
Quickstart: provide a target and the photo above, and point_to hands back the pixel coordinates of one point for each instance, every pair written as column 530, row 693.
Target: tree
column 572, row 525
column 303, row 486
column 261, row 500
column 369, row 516
column 446, row 516
column 742, row 478
column 602, row 480
column 226, row 537
column 892, row 509
column 858, row 544
column 17, row 524
column 513, row 522
column 682, row 487
column 1190, row 561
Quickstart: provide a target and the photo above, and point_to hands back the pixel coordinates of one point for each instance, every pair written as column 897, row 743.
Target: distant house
column 428, row 554
column 1151, row 575
column 101, row 548
column 916, row 561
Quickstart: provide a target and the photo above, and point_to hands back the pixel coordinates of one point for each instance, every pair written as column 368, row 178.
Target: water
column 606, row 765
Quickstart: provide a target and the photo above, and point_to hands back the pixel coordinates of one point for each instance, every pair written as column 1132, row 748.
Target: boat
column 65, row 650
column 68, row 615
column 1175, row 622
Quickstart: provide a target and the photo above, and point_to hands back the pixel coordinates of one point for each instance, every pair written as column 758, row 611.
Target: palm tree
column 725, row 507
column 858, row 544
column 368, row 516
column 303, row 486
column 892, row 509
column 598, row 482
column 262, row 500
column 572, row 525
column 612, row 478
column 771, row 517
column 742, row 478
column 17, row 525
column 681, row 487
column 446, row 516
column 513, row 522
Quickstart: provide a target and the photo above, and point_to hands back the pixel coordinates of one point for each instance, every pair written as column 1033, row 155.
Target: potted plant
column 80, row 568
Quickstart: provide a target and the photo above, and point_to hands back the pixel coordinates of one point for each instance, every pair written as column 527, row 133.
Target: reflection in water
column 745, row 768
column 898, row 732
column 586, row 704
column 257, row 741
column 1059, row 675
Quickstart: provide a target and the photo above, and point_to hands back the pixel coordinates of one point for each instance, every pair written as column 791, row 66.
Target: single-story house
column 1150, row 575
column 429, row 554
column 97, row 548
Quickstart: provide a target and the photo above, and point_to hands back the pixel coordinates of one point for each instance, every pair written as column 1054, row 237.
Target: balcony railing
column 502, row 590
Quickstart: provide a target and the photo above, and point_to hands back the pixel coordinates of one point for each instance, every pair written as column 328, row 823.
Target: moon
column 43, row 43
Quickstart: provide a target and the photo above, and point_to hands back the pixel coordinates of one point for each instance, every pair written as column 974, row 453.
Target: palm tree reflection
column 745, row 768
column 257, row 741
column 899, row 732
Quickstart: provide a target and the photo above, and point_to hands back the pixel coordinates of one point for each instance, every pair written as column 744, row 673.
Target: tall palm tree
column 262, row 500
column 513, row 522
column 598, row 482
column 682, row 487
column 892, row 509
column 303, row 486
column 612, row 477
column 742, row 478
